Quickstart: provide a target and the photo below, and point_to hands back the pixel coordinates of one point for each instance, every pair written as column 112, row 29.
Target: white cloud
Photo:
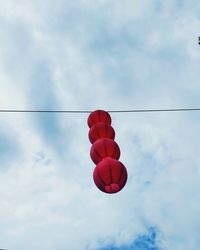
column 47, row 198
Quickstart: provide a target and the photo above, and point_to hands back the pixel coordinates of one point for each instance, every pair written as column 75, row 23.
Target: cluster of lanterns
column 110, row 175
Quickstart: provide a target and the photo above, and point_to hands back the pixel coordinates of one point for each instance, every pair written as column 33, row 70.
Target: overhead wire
column 89, row 111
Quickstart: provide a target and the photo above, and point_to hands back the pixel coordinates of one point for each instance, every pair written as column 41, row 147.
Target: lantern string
column 89, row 111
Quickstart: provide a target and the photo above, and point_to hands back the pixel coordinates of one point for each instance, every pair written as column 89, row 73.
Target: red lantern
column 110, row 175
column 103, row 148
column 101, row 130
column 99, row 116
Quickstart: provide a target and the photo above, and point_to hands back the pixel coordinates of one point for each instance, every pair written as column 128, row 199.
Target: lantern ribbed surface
column 110, row 175
column 101, row 130
column 103, row 148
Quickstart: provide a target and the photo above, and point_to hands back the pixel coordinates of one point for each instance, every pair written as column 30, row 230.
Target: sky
column 88, row 55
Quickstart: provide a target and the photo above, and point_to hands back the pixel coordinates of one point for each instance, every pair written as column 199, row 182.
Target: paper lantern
column 110, row 175
column 101, row 130
column 103, row 148
column 99, row 116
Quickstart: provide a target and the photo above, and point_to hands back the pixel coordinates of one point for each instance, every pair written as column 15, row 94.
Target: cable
column 88, row 111
column 42, row 111
column 154, row 110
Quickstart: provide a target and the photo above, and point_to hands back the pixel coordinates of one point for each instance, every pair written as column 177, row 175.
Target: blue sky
column 91, row 55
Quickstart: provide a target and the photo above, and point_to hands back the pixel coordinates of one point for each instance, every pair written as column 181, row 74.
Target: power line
column 89, row 111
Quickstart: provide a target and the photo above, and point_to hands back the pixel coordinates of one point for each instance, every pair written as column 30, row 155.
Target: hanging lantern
column 99, row 116
column 103, row 148
column 101, row 130
column 110, row 175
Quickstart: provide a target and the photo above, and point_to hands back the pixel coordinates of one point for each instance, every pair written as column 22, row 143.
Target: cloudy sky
column 99, row 54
